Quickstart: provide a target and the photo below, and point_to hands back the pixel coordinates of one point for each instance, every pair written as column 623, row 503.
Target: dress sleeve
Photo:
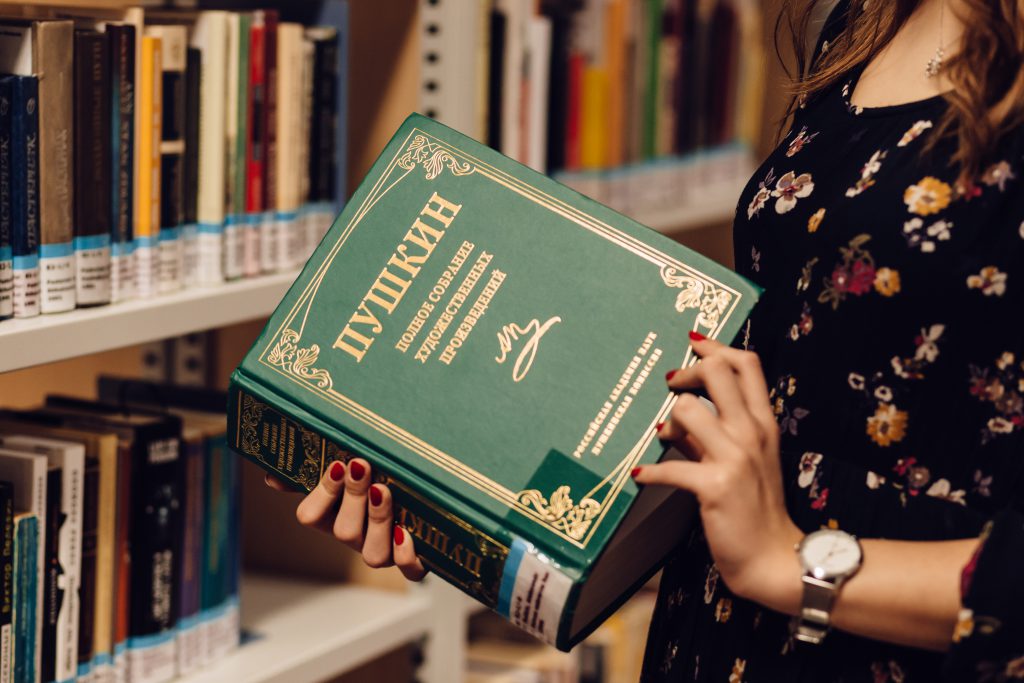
column 988, row 643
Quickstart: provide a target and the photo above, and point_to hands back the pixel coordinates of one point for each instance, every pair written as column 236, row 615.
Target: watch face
column 830, row 553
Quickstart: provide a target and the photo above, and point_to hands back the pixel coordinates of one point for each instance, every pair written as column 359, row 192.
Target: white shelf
column 306, row 631
column 714, row 204
column 48, row 338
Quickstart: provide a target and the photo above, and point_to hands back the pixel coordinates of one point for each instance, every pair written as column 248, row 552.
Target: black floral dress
column 891, row 334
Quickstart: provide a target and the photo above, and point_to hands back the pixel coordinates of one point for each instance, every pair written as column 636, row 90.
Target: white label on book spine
column 6, row 288
column 92, row 263
column 287, row 232
column 56, row 278
column 5, row 654
column 152, row 659
column 190, row 255
column 122, row 272
column 533, row 592
column 210, row 245
column 251, row 245
column 145, row 268
column 169, row 261
column 234, row 249
column 269, row 243
column 26, row 289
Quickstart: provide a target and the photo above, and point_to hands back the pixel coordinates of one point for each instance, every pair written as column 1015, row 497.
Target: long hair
column 986, row 71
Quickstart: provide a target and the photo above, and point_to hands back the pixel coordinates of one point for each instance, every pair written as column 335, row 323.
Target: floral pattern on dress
column 991, row 281
column 1001, row 385
column 814, row 222
column 855, row 275
column 801, row 140
column 926, row 239
column 791, row 187
column 762, row 195
column 867, row 174
column 914, row 132
column 998, row 174
column 927, row 196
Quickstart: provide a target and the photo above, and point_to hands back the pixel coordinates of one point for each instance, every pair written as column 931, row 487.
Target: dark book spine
column 190, row 230
column 92, row 146
column 25, row 194
column 122, row 129
column 6, row 215
column 155, row 536
column 270, row 112
column 6, row 573
column 448, row 544
column 172, row 167
column 495, row 79
column 53, row 594
column 219, row 590
column 87, row 575
column 190, row 650
column 324, row 128
column 558, row 109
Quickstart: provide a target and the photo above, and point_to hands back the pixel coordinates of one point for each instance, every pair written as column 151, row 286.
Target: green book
column 26, row 581
column 495, row 345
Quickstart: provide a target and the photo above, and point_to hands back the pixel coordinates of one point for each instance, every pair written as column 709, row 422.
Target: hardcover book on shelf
column 44, row 49
column 324, row 135
column 190, row 215
column 64, row 548
column 6, row 578
column 289, row 122
column 504, row 408
column 6, row 222
column 122, row 149
column 25, row 618
column 239, row 248
column 148, row 176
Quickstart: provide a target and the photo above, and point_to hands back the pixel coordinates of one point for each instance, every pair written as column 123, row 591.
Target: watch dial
column 829, row 553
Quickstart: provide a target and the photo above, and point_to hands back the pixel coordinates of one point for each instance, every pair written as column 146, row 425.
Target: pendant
column 935, row 63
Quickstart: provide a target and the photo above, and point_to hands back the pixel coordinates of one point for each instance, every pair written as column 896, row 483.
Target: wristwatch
column 829, row 558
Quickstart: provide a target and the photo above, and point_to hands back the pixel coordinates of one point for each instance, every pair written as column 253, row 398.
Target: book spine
column 70, row 559
column 190, row 566
column 26, row 584
column 260, row 256
column 190, row 230
column 147, row 210
column 247, row 239
column 279, row 254
column 232, row 243
column 6, row 209
column 53, row 592
column 211, row 36
column 92, row 168
column 6, row 579
column 324, row 137
column 218, row 596
column 172, row 160
column 87, row 575
column 25, row 194
column 155, row 544
column 53, row 51
column 122, row 130
column 110, row 620
column 303, row 214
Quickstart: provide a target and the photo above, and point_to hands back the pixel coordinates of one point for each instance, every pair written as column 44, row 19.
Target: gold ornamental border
column 435, row 156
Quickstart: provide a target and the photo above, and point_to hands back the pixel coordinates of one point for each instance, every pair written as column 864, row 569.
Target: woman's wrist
column 775, row 580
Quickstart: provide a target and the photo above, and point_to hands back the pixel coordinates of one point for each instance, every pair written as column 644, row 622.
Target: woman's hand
column 734, row 471
column 358, row 513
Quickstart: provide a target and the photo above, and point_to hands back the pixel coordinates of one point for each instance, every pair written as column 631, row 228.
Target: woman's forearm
column 906, row 592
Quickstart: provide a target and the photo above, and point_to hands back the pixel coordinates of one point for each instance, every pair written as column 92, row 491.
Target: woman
column 887, row 232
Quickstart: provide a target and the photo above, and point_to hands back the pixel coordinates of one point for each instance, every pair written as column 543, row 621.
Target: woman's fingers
column 276, row 484
column 405, row 555
column 693, row 420
column 377, row 546
column 318, row 508
column 351, row 520
column 682, row 474
column 752, row 384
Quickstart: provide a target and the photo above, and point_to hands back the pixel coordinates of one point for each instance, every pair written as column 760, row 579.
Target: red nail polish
column 697, row 336
column 399, row 535
column 337, row 471
column 376, row 497
column 635, row 472
column 657, row 427
column 357, row 470
column 670, row 374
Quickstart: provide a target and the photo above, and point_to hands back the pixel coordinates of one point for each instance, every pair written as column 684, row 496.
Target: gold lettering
column 443, row 205
column 512, row 332
column 353, row 351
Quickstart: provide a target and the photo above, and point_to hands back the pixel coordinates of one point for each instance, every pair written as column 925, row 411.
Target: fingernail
column 337, row 471
column 357, row 470
column 657, row 427
column 635, row 472
column 399, row 535
column 670, row 374
column 376, row 497
column 697, row 336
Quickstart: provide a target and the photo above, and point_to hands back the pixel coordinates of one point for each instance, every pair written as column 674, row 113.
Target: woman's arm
column 905, row 592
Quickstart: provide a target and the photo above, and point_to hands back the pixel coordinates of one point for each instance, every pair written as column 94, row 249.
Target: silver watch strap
column 815, row 617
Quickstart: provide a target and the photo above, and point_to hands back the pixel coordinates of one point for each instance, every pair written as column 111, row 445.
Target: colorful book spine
column 25, row 194
column 6, row 579
column 147, row 209
column 6, row 215
column 259, row 247
column 122, row 147
column 92, row 165
column 52, row 52
column 219, row 596
column 190, row 229
column 25, row 595
column 235, row 234
column 280, row 253
column 210, row 36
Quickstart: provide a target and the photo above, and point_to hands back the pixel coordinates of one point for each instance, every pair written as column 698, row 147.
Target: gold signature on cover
column 574, row 519
column 532, row 332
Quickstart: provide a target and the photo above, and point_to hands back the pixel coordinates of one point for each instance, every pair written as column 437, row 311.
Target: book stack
column 120, row 527
column 143, row 152
column 635, row 103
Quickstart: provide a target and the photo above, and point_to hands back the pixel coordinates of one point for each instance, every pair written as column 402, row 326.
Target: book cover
column 190, row 229
column 44, row 49
column 6, row 222
column 174, row 42
column 148, row 181
column 24, row 664
column 450, row 265
column 210, row 36
column 25, row 194
column 61, row 602
column 6, row 579
column 27, row 472
column 260, row 254
column 122, row 161
column 92, row 167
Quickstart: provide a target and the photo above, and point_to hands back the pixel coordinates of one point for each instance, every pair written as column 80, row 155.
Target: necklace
column 931, row 69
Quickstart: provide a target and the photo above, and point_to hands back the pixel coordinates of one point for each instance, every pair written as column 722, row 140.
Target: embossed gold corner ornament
column 710, row 301
column 561, row 512
column 433, row 157
column 287, row 355
column 249, row 425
